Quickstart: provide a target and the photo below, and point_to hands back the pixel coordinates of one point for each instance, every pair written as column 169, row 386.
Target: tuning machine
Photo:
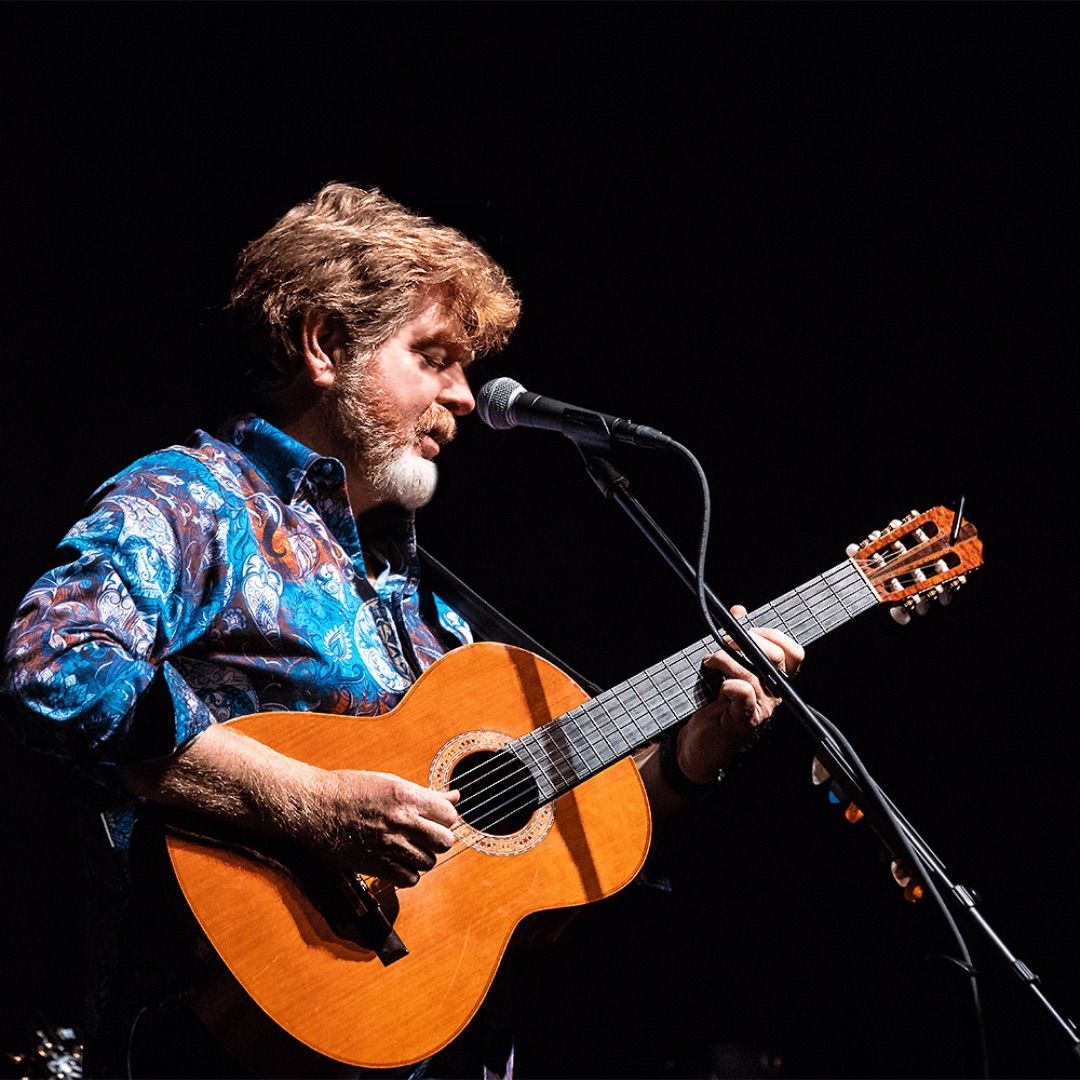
column 853, row 549
column 920, row 604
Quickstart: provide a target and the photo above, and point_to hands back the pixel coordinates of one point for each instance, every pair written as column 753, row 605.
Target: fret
column 575, row 746
column 537, row 759
column 664, row 713
column 598, row 712
column 590, row 753
column 641, row 708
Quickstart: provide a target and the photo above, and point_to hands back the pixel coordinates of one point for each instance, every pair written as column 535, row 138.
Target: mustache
column 438, row 422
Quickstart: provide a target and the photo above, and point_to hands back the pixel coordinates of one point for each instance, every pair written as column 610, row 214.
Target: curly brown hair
column 356, row 254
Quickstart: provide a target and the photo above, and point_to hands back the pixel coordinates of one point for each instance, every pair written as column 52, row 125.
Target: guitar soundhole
column 498, row 795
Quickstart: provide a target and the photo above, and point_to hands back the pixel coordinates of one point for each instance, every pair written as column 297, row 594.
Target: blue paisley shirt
column 210, row 580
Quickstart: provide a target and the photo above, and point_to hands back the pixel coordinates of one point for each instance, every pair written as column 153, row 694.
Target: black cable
column 853, row 761
column 143, row 1009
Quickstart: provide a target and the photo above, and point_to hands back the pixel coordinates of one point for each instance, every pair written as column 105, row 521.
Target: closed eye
column 436, row 360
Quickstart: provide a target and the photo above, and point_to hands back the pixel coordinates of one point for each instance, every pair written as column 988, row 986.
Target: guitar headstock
column 916, row 560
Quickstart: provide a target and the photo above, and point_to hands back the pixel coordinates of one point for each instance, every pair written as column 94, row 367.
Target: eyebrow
column 453, row 348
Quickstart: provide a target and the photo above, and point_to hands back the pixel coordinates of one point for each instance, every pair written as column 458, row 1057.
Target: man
column 273, row 566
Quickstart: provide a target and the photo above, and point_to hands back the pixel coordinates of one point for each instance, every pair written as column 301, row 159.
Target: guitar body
column 340, row 998
column 393, row 996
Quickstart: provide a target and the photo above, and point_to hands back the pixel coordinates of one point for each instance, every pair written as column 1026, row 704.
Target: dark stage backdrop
column 829, row 248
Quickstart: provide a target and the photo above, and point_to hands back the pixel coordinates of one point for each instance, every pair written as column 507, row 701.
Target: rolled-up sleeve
column 86, row 671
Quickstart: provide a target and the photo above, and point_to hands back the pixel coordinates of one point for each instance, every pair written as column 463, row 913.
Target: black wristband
column 671, row 770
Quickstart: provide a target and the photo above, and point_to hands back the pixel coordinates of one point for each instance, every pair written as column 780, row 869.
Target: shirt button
column 330, row 471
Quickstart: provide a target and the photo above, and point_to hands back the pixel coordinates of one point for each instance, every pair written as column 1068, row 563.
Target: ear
column 323, row 346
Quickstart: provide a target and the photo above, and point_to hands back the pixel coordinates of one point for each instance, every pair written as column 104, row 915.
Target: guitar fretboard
column 568, row 750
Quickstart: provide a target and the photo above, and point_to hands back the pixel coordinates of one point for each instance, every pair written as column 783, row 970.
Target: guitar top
column 553, row 814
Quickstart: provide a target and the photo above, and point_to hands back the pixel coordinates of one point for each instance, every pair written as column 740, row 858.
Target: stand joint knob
column 1025, row 973
column 968, row 897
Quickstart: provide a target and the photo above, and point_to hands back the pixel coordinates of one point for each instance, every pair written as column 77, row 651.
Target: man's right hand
column 382, row 825
column 369, row 822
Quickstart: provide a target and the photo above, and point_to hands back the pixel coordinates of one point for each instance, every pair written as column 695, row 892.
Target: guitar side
column 339, row 998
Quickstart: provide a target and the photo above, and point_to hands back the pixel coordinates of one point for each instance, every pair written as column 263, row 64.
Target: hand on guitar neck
column 708, row 743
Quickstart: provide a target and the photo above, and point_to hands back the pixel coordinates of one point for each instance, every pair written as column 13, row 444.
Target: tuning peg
column 950, row 587
column 922, row 605
column 901, row 874
column 900, row 614
column 854, row 549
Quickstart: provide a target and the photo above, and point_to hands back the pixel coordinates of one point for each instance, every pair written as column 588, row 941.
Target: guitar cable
column 817, row 719
column 151, row 1006
column 610, row 482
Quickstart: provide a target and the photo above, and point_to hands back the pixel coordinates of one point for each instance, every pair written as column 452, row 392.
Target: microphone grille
column 494, row 401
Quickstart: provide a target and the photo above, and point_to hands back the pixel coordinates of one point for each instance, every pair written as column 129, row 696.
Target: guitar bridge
column 344, row 900
column 365, row 922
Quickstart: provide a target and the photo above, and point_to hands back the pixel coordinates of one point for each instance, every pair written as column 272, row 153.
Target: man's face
column 395, row 409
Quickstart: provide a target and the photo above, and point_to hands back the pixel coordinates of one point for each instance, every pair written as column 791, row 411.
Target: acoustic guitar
column 553, row 814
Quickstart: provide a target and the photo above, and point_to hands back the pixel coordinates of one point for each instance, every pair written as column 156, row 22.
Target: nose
column 455, row 394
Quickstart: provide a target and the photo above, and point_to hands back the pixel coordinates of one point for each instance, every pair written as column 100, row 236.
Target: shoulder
column 168, row 499
column 204, row 471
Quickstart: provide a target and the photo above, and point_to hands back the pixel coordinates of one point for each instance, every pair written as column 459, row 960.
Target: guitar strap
column 486, row 621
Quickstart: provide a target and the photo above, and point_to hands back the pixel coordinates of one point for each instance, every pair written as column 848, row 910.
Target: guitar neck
column 575, row 746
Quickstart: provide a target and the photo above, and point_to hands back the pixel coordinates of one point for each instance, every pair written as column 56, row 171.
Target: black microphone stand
column 832, row 747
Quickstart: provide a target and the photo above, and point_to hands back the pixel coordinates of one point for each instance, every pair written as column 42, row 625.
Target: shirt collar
column 282, row 461
column 287, row 466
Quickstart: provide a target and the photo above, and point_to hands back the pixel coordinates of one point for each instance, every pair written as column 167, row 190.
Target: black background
column 829, row 248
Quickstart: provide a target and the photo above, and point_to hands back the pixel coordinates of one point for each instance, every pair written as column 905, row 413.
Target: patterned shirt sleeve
column 87, row 672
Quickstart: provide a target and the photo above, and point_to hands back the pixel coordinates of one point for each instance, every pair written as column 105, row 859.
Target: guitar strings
column 488, row 785
column 481, row 782
column 495, row 777
column 691, row 675
column 797, row 597
column 797, row 626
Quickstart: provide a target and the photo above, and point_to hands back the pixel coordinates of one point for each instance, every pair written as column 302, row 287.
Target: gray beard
column 379, row 453
column 406, row 479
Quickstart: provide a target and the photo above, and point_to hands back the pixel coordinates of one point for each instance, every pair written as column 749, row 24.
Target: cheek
column 414, row 399
column 388, row 397
column 401, row 391
column 411, row 412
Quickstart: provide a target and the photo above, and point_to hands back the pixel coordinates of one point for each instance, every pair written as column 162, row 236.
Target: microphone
column 504, row 403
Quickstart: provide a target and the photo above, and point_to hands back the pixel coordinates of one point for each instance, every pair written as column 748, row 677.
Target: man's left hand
column 713, row 736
